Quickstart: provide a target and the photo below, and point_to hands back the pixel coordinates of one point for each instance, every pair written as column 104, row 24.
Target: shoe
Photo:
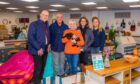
column 62, row 76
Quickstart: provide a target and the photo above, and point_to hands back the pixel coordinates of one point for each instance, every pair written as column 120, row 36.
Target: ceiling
column 45, row 4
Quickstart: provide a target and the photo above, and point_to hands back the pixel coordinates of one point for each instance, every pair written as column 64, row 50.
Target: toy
column 70, row 37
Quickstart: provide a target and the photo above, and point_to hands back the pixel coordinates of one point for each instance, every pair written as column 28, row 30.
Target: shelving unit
column 120, row 72
column 111, row 80
column 135, row 74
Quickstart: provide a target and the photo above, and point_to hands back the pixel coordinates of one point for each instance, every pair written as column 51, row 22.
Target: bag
column 85, row 58
column 48, row 70
column 48, row 76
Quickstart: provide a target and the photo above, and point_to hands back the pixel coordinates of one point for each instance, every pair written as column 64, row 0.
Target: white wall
column 104, row 16
column 14, row 18
column 108, row 16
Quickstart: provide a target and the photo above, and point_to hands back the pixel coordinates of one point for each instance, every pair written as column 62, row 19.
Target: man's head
column 44, row 15
column 59, row 18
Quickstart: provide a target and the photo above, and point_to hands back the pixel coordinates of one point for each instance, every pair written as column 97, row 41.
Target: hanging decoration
column 133, row 26
column 123, row 25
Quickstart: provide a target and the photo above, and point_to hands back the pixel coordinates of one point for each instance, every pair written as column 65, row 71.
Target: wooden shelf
column 135, row 74
column 111, row 80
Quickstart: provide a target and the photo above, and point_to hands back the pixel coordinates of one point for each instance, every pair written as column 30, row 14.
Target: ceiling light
column 12, row 8
column 32, row 7
column 74, row 9
column 102, row 7
column 30, row 0
column 18, row 11
column 53, row 10
column 57, row 5
column 4, row 3
column 134, row 6
column 130, row 1
column 33, row 10
column 89, row 3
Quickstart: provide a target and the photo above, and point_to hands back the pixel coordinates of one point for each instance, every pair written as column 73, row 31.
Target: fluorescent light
column 33, row 10
column 57, row 5
column 88, row 3
column 30, row 0
column 134, row 6
column 102, row 7
column 18, row 11
column 130, row 1
column 74, row 9
column 4, row 3
column 53, row 10
column 12, row 8
column 32, row 7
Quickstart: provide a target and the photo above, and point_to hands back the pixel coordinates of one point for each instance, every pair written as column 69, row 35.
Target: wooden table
column 120, row 71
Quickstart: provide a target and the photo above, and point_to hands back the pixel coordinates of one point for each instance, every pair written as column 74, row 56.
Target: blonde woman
column 73, row 41
column 99, row 36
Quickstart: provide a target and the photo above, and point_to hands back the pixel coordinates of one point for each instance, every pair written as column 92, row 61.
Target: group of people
column 66, row 42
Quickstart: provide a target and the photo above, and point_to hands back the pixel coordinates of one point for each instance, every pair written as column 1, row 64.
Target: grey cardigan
column 89, row 38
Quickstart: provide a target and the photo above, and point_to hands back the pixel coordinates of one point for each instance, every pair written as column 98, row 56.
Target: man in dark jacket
column 38, row 44
column 56, row 31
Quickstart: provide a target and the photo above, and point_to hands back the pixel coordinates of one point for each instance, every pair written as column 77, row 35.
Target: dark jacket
column 99, row 39
column 88, row 38
column 56, row 33
column 36, row 36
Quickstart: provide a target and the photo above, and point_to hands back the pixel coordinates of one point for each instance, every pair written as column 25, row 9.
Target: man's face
column 44, row 16
column 59, row 18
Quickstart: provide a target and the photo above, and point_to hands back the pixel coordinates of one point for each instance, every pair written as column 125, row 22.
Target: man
column 56, row 32
column 38, row 44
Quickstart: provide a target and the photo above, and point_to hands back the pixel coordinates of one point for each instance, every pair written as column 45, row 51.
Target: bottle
column 123, row 25
column 107, row 26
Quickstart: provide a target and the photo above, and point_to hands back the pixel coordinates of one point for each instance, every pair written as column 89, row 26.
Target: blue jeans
column 95, row 50
column 72, row 60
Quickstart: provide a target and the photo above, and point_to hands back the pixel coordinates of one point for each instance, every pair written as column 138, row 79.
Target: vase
column 106, row 61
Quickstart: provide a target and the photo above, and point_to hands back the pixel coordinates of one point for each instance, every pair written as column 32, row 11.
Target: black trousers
column 39, row 66
column 85, row 58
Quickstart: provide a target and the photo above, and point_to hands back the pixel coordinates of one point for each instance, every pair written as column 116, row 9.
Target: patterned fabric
column 18, row 69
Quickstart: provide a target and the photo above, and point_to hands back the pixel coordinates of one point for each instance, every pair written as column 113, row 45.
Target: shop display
column 126, row 44
column 11, row 45
column 131, row 58
column 15, row 43
column 3, row 33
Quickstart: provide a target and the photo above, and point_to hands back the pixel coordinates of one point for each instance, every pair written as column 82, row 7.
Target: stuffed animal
column 70, row 37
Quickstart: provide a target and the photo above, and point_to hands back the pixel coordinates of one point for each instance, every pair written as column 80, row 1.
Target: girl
column 99, row 36
column 88, row 38
column 73, row 40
